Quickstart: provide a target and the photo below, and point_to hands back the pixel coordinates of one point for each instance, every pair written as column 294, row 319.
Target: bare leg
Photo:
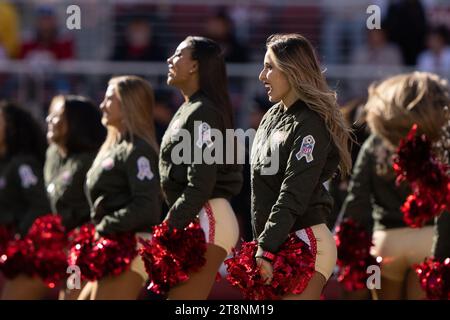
column 24, row 287
column 390, row 289
column 126, row 286
column 312, row 291
column 200, row 283
column 71, row 294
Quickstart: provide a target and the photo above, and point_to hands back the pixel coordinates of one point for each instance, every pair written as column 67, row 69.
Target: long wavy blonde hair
column 137, row 102
column 296, row 58
column 398, row 102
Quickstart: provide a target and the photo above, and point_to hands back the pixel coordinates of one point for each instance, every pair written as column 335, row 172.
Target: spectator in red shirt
column 47, row 45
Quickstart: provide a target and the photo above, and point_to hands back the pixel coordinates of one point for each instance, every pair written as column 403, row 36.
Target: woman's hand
column 265, row 270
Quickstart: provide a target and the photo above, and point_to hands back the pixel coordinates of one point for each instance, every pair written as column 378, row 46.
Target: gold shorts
column 400, row 248
column 219, row 223
column 321, row 243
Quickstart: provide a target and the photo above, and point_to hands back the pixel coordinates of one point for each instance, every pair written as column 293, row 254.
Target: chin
column 105, row 122
column 274, row 99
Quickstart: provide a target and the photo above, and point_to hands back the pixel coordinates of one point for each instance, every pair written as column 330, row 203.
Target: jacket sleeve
column 28, row 175
column 301, row 177
column 201, row 177
column 75, row 210
column 144, row 207
column 358, row 203
column 441, row 245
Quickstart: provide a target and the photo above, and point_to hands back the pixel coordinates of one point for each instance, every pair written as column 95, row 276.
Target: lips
column 268, row 87
column 171, row 71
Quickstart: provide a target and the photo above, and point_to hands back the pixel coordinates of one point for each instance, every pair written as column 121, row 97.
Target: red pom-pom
column 419, row 208
column 108, row 255
column 118, row 251
column 172, row 254
column 50, row 242
column 352, row 241
column 416, row 163
column 353, row 244
column 18, row 258
column 354, row 276
column 293, row 267
column 434, row 278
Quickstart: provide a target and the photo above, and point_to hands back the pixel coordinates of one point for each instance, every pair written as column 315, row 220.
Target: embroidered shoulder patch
column 144, row 169
column 204, row 135
column 27, row 176
column 306, row 149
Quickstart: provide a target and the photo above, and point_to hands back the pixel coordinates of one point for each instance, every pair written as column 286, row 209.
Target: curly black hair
column 23, row 134
column 85, row 130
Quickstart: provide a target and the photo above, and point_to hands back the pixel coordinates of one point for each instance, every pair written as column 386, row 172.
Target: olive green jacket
column 291, row 195
column 373, row 197
column 122, row 188
column 65, row 179
column 187, row 185
column 22, row 192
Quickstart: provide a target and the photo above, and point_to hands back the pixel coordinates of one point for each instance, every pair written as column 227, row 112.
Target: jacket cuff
column 267, row 255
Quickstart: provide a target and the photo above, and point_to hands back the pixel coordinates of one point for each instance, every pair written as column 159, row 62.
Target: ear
column 194, row 67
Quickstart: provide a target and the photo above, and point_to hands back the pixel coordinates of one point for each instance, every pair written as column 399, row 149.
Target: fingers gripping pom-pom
column 293, row 267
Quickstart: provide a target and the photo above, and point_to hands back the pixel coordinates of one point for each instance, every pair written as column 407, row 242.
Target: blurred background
column 41, row 57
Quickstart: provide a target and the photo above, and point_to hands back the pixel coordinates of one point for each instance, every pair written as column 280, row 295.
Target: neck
column 62, row 150
column 189, row 90
column 289, row 100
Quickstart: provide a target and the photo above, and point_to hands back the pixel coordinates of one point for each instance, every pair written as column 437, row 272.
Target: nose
column 169, row 60
column 262, row 75
column 102, row 106
column 48, row 119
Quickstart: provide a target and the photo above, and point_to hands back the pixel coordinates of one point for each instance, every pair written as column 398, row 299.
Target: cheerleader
column 303, row 136
column 374, row 199
column 75, row 133
column 122, row 185
column 22, row 190
column 196, row 189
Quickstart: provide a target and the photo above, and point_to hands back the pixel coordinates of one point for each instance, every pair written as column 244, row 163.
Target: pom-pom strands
column 172, row 254
column 97, row 258
column 293, row 267
column 353, row 244
column 434, row 278
column 41, row 253
column 416, row 163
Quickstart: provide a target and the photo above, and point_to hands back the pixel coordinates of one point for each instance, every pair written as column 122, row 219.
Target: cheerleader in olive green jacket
column 22, row 190
column 299, row 144
column 122, row 184
column 374, row 199
column 75, row 133
column 197, row 188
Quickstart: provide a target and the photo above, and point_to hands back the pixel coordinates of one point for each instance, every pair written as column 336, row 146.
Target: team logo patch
column 204, row 135
column 66, row 177
column 108, row 163
column 27, row 176
column 144, row 169
column 306, row 149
